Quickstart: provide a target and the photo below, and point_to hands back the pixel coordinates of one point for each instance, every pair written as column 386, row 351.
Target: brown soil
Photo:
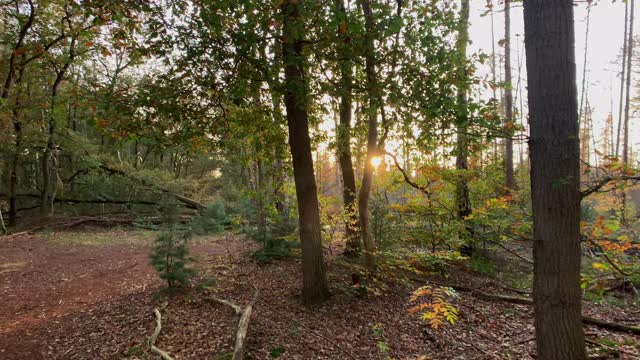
column 68, row 300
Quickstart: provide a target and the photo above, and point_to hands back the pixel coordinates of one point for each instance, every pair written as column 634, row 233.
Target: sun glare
column 376, row 161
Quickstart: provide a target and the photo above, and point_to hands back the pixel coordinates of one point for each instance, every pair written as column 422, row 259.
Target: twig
column 243, row 323
column 236, row 308
column 604, row 254
column 609, row 348
column 152, row 340
column 512, row 252
column 604, row 181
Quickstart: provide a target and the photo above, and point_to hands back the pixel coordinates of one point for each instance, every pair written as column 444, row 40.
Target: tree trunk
column 372, row 136
column 463, row 203
column 45, row 199
column 625, row 141
column 625, row 138
column 555, row 187
column 315, row 288
column 510, row 181
column 17, row 129
column 623, row 74
column 584, row 66
column 343, row 135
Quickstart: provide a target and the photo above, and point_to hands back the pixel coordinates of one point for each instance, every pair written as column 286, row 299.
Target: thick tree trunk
column 315, row 288
column 343, row 135
column 555, row 187
column 510, row 181
column 17, row 129
column 372, row 136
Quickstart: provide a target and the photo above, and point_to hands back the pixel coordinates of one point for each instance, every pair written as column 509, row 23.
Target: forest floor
column 90, row 294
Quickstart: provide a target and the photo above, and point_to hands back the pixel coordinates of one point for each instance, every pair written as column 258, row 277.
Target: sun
column 376, row 161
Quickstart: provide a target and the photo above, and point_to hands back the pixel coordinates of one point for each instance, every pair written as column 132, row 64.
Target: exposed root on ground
column 243, row 323
column 154, row 337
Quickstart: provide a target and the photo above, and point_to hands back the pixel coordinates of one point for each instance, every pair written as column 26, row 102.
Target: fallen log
column 190, row 203
column 89, row 201
column 525, row 301
column 243, row 323
column 154, row 337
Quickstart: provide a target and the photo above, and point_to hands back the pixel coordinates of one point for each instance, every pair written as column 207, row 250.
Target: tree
column 374, row 104
column 510, row 181
column 555, row 179
column 314, row 280
column 463, row 202
column 343, row 131
column 623, row 74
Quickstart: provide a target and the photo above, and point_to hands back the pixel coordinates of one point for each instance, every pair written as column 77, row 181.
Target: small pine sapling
column 170, row 258
column 170, row 252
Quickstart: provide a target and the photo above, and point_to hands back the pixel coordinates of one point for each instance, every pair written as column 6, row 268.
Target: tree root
column 243, row 323
column 154, row 337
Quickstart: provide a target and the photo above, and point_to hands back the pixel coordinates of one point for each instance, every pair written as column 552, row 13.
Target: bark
column 623, row 74
column 510, row 181
column 314, row 282
column 584, row 65
column 555, row 187
column 463, row 202
column 13, row 175
column 343, row 134
column 625, row 142
column 372, row 136
column 14, row 77
column 46, row 200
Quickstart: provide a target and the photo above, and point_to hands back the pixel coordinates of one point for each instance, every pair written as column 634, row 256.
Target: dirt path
column 46, row 282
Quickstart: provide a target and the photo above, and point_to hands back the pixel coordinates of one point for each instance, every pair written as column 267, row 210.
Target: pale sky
column 605, row 41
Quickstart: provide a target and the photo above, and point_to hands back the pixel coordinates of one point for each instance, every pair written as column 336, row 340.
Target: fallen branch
column 512, row 252
column 525, row 301
column 611, row 325
column 243, row 323
column 91, row 201
column 606, row 257
column 57, row 226
column 154, row 337
column 608, row 348
column 190, row 203
column 599, row 184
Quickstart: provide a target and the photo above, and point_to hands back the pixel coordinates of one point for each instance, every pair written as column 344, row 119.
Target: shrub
column 169, row 257
column 170, row 253
column 211, row 220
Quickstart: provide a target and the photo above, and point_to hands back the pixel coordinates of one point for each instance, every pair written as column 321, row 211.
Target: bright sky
column 605, row 41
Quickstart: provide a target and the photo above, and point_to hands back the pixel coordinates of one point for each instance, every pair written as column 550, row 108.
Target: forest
column 328, row 179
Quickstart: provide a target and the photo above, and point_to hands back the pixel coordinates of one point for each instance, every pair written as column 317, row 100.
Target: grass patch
column 101, row 237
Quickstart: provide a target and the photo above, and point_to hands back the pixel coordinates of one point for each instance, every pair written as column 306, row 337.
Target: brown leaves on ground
column 95, row 300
